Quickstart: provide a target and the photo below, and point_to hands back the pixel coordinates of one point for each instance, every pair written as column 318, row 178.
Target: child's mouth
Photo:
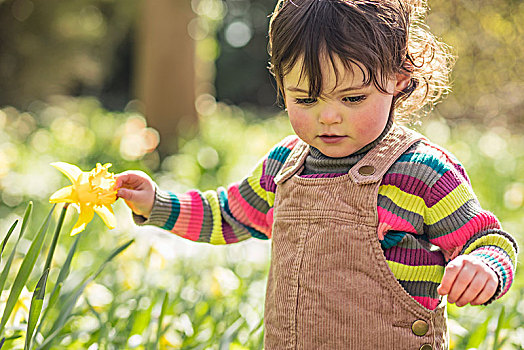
column 331, row 138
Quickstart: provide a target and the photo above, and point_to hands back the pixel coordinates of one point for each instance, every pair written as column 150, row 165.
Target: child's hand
column 138, row 191
column 468, row 280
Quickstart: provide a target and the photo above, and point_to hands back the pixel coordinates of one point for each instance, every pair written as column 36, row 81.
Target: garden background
column 173, row 87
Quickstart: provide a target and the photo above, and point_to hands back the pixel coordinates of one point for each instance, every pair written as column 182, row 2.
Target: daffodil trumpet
column 91, row 192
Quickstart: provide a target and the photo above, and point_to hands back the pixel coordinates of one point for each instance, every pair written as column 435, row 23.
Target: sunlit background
column 180, row 89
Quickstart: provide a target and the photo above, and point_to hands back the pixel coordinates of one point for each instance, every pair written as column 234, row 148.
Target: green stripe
column 174, row 212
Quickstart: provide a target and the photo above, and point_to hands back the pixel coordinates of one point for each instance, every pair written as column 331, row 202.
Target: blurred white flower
column 20, row 312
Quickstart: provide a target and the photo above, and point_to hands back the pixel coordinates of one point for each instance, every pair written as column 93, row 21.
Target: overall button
column 426, row 347
column 420, row 328
column 366, row 170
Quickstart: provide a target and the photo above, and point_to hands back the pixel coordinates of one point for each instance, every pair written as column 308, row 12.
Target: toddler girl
column 371, row 223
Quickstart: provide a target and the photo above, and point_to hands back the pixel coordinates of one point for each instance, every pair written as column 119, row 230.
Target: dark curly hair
column 380, row 37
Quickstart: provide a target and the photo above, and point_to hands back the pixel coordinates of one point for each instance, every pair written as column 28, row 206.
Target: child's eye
column 305, row 101
column 354, row 99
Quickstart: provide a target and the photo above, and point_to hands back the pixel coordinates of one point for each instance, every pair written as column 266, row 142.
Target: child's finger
column 120, row 179
column 126, row 179
column 489, row 290
column 126, row 194
column 461, row 283
column 450, row 274
column 472, row 291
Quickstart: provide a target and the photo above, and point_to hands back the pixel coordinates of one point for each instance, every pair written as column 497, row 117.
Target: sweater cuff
column 500, row 263
column 161, row 212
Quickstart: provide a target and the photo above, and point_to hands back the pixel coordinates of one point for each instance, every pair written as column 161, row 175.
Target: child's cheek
column 370, row 122
column 299, row 121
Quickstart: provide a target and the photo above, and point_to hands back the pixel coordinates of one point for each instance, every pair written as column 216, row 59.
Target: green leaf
column 496, row 342
column 160, row 319
column 9, row 339
column 25, row 270
column 479, row 335
column 111, row 257
column 142, row 320
column 66, row 267
column 131, row 319
column 64, row 273
column 69, row 303
column 52, row 248
column 54, row 296
column 36, row 307
column 11, row 229
column 7, row 266
column 229, row 334
column 25, row 220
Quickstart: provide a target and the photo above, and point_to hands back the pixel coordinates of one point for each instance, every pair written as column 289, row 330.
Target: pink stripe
column 182, row 223
column 245, row 213
column 269, row 220
column 395, row 221
column 427, row 302
column 483, row 221
column 197, row 215
column 191, row 215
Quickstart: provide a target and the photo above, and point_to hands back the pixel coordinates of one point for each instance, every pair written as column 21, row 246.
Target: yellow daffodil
column 90, row 192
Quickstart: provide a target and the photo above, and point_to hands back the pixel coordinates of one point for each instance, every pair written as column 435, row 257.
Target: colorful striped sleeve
column 455, row 221
column 227, row 215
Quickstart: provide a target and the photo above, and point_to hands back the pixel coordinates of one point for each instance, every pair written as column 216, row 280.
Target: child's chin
column 334, row 152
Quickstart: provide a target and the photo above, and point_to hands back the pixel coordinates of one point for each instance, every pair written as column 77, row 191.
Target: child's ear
column 402, row 83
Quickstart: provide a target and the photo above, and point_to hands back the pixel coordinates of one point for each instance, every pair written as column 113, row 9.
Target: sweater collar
column 316, row 162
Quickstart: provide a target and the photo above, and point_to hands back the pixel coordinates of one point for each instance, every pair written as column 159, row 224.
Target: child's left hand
column 468, row 280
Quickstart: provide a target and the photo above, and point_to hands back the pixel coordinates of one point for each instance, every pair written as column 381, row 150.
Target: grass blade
column 64, row 273
column 11, row 229
column 52, row 248
column 496, row 343
column 36, row 307
column 112, row 256
column 479, row 334
column 160, row 319
column 69, row 303
column 229, row 334
column 25, row 221
column 25, row 270
column 8, row 339
column 7, row 266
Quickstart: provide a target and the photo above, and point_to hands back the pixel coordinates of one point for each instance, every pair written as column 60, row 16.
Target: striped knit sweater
column 428, row 214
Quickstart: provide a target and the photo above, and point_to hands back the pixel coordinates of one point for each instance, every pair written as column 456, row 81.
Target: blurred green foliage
column 86, row 47
column 488, row 39
column 79, row 47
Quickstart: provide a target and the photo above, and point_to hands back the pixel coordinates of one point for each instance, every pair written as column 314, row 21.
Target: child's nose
column 330, row 115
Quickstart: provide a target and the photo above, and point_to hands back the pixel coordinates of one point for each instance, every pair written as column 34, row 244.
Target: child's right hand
column 138, row 191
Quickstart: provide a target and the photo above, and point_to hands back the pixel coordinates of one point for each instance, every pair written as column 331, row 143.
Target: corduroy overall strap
column 329, row 285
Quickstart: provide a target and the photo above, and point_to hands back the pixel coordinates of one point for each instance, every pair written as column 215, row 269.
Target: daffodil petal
column 69, row 170
column 107, row 215
column 85, row 217
column 63, row 195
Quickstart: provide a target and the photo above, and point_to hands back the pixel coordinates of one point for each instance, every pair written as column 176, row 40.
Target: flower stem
column 55, row 237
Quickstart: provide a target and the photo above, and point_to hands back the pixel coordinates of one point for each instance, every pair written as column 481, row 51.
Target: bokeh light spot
column 238, row 34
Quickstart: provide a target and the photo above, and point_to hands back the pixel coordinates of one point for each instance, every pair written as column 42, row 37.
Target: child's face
column 345, row 117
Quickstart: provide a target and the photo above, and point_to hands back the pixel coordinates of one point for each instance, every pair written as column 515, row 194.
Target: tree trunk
column 165, row 73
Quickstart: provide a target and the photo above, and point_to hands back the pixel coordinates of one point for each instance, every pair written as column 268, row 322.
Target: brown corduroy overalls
column 329, row 284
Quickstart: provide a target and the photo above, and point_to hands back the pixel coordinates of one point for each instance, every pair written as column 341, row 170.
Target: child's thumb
column 126, row 194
